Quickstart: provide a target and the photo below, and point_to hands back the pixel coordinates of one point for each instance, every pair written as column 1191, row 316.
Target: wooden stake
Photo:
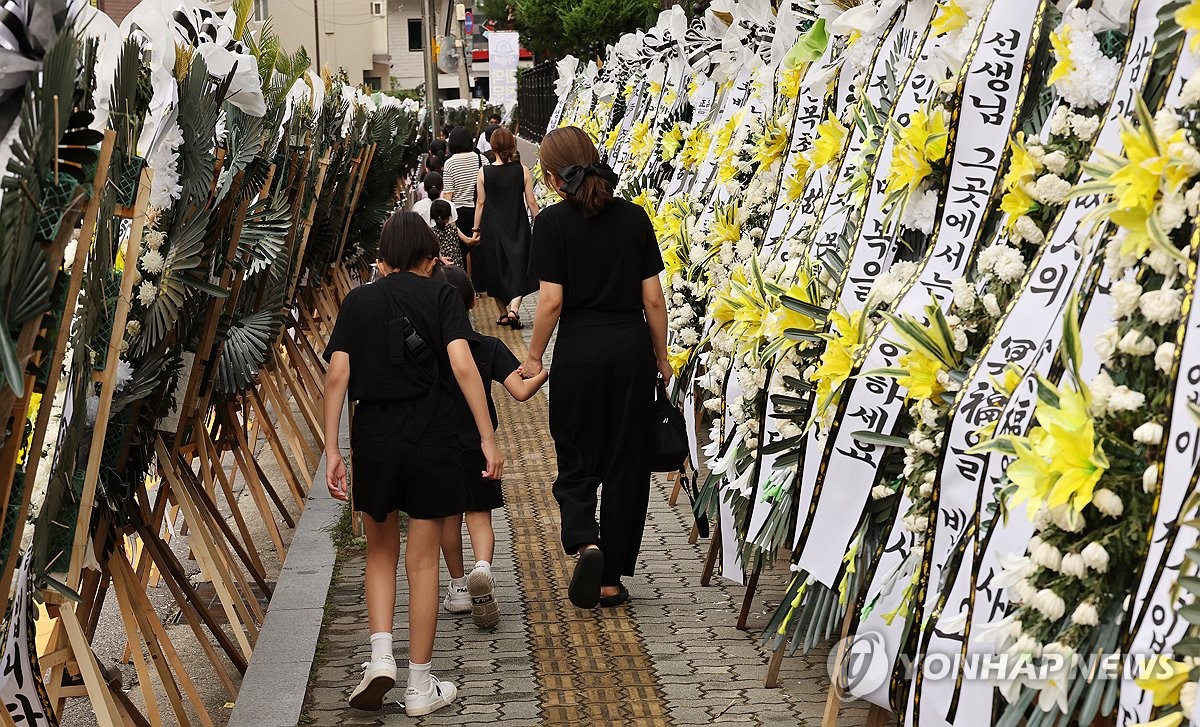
column 93, row 676
column 90, row 214
column 87, row 499
column 281, row 458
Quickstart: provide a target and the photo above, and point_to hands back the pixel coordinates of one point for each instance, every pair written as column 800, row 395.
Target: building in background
column 380, row 43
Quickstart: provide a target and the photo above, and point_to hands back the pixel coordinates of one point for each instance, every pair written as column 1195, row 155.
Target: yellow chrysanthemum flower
column 789, row 81
column 1060, row 40
column 771, row 145
column 843, row 344
column 670, row 97
column 679, row 359
column 1071, row 449
column 1164, row 679
column 921, row 381
column 831, row 137
column 1188, row 18
column 1022, row 167
column 655, row 88
column 725, row 226
column 645, row 200
column 641, row 142
column 695, row 147
column 921, row 142
column 950, row 18
column 1015, row 203
column 1171, row 720
column 672, row 142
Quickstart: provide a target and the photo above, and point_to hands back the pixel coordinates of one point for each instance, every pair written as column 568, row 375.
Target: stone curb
column 272, row 692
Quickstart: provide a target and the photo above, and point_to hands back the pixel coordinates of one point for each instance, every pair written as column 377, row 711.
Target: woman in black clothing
column 404, row 440
column 598, row 263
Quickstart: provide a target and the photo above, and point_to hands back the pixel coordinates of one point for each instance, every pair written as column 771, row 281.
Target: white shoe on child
column 436, row 695
column 379, row 676
column 485, row 611
column 458, row 599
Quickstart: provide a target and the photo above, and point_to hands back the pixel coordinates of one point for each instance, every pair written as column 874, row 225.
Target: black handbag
column 668, row 433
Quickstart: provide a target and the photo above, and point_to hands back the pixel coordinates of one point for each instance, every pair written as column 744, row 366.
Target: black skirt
column 482, row 494
column 425, row 479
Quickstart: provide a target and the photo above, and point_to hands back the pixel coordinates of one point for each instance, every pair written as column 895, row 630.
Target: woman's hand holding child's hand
column 531, row 368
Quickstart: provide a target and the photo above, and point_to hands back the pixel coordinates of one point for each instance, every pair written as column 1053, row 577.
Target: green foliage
column 579, row 27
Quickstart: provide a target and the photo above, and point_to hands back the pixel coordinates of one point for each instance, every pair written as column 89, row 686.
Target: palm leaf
column 264, row 233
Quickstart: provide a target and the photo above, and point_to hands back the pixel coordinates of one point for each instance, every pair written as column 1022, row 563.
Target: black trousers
column 601, row 390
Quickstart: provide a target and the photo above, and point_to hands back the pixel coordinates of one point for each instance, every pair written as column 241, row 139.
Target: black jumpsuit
column 603, row 374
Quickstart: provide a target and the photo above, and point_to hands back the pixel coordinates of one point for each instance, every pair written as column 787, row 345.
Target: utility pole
column 317, row 32
column 428, row 21
column 460, row 17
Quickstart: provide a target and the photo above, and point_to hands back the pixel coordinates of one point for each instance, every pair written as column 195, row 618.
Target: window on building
column 377, row 8
column 260, row 11
column 416, row 35
column 372, row 82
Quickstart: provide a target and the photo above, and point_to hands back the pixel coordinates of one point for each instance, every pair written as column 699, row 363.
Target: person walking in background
column 459, row 176
column 504, row 202
column 394, row 346
column 598, row 262
column 433, row 165
column 450, row 238
column 475, row 593
column 484, row 143
column 433, row 192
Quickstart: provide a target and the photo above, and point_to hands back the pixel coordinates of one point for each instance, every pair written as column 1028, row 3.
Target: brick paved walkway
column 671, row 657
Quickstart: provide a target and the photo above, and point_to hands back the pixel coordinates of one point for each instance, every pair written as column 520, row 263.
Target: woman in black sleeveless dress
column 503, row 206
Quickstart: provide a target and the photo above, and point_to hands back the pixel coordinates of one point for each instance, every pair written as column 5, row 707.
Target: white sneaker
column 439, row 694
column 458, row 600
column 378, row 677
column 485, row 611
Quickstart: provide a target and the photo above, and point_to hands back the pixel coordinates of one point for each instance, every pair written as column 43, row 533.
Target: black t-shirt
column 435, row 310
column 495, row 363
column 600, row 261
column 487, row 131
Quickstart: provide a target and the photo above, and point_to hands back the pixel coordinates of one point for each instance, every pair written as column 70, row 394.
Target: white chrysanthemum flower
column 1161, row 262
column 1106, row 344
column 147, row 293
column 1102, row 388
column 1060, row 121
column 1014, row 568
column 1149, row 433
column 990, row 255
column 1046, row 555
column 1049, row 604
column 1125, row 399
column 920, row 212
column 1085, row 127
column 1136, row 343
column 163, row 160
column 154, row 239
column 1073, row 565
column 878, row 492
column 124, row 374
column 991, row 305
column 1162, row 306
column 1125, row 294
column 1023, row 591
column 1164, row 357
column 1085, row 615
column 133, row 328
column 964, row 295
column 1028, row 230
column 1056, row 162
column 1150, row 479
column 152, row 262
column 1009, row 265
column 1051, row 189
column 1096, row 557
column 1108, row 502
column 1067, row 519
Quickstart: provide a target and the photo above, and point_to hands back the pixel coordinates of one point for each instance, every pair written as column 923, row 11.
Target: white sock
column 484, row 565
column 381, row 645
column 458, row 583
column 418, row 676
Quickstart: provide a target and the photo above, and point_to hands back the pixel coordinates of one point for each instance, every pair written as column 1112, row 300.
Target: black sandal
column 584, row 590
column 504, row 320
column 514, row 320
column 616, row 599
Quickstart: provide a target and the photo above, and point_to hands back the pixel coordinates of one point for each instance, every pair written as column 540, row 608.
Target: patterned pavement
column 672, row 656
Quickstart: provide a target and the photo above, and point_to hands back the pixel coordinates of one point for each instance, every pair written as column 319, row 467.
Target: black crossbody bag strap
column 404, row 344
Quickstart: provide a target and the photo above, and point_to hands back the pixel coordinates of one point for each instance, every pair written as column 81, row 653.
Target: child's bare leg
column 452, row 545
column 483, row 538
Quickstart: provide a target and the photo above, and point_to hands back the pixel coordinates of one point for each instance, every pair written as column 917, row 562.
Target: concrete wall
column 408, row 69
column 351, row 38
